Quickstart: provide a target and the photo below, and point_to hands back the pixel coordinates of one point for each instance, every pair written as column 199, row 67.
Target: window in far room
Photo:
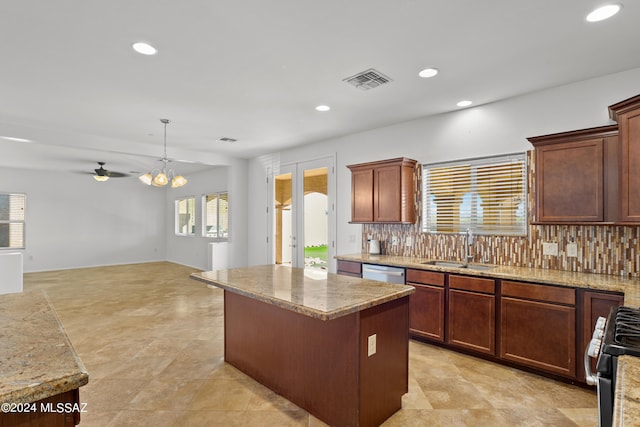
column 215, row 215
column 186, row 216
column 12, row 220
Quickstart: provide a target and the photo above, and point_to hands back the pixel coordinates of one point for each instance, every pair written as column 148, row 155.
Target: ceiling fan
column 101, row 174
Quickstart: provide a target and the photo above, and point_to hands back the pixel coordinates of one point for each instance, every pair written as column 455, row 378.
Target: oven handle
column 590, row 378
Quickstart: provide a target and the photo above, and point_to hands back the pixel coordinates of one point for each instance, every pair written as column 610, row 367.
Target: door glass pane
column 316, row 211
column 284, row 219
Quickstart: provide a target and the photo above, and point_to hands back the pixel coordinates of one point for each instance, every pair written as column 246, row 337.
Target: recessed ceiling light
column 144, row 48
column 464, row 103
column 14, row 139
column 323, row 108
column 428, row 72
column 604, row 12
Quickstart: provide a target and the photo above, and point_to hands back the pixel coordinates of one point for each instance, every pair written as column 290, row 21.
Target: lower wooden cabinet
column 471, row 314
column 426, row 304
column 538, row 327
column 594, row 305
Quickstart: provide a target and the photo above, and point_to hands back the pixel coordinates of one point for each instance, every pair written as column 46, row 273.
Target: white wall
column 193, row 250
column 74, row 221
column 497, row 128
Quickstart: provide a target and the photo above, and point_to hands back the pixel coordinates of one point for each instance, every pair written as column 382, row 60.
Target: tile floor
column 152, row 342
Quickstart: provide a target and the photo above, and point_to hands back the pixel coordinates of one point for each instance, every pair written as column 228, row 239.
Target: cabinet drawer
column 425, row 277
column 476, row 284
column 539, row 292
column 350, row 267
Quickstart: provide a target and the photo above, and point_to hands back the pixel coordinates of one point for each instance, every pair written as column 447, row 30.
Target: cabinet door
column 362, row 195
column 471, row 321
column 387, row 196
column 630, row 166
column 426, row 312
column 540, row 335
column 570, row 181
column 594, row 305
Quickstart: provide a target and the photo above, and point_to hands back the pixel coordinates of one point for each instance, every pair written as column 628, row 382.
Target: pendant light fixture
column 161, row 177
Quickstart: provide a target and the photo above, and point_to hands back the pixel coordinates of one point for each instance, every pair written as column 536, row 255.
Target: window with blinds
column 486, row 195
column 186, row 216
column 216, row 215
column 12, row 220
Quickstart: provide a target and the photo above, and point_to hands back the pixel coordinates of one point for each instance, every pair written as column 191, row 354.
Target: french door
column 304, row 215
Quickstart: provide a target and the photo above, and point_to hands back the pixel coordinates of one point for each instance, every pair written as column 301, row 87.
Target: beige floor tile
column 152, row 340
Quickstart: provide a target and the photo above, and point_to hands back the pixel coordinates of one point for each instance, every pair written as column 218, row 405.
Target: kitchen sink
column 445, row 264
column 452, row 264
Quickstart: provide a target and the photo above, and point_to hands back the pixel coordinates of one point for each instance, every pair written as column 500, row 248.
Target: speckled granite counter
column 626, row 411
column 320, row 295
column 603, row 282
column 37, row 359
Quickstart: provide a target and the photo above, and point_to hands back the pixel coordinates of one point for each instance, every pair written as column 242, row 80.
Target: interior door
column 304, row 215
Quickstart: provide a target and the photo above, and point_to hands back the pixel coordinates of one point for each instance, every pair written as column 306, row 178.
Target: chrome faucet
column 468, row 242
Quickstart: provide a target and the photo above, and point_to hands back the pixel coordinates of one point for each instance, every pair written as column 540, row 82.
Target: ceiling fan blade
column 112, row 174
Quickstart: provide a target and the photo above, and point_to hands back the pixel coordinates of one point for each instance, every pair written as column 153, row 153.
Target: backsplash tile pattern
column 601, row 249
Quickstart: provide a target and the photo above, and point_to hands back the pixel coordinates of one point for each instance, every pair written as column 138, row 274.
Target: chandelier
column 161, row 177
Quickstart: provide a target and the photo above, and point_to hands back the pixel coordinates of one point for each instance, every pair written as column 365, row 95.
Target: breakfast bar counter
column 334, row 345
column 40, row 372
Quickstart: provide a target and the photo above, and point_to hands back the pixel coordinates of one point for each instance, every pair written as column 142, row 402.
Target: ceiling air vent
column 368, row 79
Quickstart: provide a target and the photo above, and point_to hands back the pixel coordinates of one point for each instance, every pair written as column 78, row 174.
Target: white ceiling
column 254, row 70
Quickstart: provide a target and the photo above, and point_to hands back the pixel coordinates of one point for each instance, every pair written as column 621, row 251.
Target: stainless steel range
column 618, row 334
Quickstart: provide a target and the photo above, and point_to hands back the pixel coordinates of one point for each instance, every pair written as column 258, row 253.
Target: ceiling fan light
column 146, row 178
column 178, row 181
column 100, row 178
column 160, row 180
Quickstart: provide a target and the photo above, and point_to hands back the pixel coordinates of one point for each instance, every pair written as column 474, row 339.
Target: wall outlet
column 371, row 350
column 408, row 241
column 394, row 240
column 550, row 248
column 572, row 250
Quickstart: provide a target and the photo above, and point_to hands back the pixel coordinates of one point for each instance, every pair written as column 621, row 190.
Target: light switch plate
column 550, row 248
column 408, row 241
column 572, row 250
column 371, row 350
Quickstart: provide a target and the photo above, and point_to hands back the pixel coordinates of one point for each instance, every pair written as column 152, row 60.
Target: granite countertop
column 317, row 294
column 626, row 408
column 603, row 282
column 37, row 359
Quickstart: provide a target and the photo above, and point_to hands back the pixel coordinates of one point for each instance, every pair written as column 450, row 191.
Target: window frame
column 11, row 221
column 519, row 216
column 177, row 222
column 205, row 224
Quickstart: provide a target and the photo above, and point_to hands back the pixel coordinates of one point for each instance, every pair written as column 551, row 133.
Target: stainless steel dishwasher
column 383, row 273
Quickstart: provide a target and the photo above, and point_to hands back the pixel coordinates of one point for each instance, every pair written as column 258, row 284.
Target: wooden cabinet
column 594, row 305
column 471, row 313
column 576, row 176
column 350, row 268
column 627, row 114
column 383, row 191
column 538, row 326
column 426, row 304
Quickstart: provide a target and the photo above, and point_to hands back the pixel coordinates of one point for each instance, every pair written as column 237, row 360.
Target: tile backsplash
column 600, row 249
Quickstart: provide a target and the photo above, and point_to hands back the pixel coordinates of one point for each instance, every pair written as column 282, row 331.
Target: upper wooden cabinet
column 383, row 191
column 627, row 114
column 576, row 176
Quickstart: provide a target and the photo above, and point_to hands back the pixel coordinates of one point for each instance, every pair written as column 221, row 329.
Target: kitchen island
column 40, row 370
column 336, row 346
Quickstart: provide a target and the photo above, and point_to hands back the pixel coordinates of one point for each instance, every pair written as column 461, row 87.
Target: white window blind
column 12, row 220
column 486, row 195
column 216, row 215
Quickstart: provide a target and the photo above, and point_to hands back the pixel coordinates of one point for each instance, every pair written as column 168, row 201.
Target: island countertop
column 317, row 294
column 37, row 359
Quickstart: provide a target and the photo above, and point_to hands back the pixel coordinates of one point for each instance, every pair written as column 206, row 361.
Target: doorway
column 304, row 215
